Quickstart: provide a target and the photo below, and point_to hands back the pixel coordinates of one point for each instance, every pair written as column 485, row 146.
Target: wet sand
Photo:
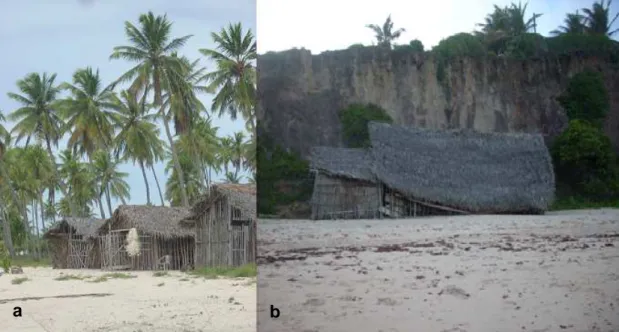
column 557, row 272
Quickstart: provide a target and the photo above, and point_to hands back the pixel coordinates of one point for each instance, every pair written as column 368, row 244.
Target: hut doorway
column 79, row 253
column 241, row 245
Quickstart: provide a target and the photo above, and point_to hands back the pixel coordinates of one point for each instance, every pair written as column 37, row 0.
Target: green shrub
column 586, row 98
column 355, row 46
column 355, row 119
column 584, row 45
column 416, row 45
column 458, row 45
column 584, row 160
column 526, row 46
column 276, row 165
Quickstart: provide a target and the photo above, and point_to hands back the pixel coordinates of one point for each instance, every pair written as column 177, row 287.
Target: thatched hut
column 420, row 172
column 427, row 171
column 73, row 243
column 163, row 244
column 344, row 185
column 224, row 222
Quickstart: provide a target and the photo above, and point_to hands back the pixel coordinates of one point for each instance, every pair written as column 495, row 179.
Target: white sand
column 558, row 272
column 138, row 304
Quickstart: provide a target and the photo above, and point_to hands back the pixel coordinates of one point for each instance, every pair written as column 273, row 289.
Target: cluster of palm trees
column 509, row 22
column 106, row 125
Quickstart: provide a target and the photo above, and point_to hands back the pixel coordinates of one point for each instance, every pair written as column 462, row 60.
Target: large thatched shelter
column 462, row 170
column 224, row 221
column 73, row 243
column 428, row 172
column 163, row 243
column 344, row 185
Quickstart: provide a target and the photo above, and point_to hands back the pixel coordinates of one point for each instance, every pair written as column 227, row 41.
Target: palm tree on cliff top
column 385, row 35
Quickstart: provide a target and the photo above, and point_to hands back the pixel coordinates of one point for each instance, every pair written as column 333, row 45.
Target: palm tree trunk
column 204, row 175
column 42, row 208
column 35, row 217
column 7, row 237
column 51, row 196
column 158, row 187
column 109, row 200
column 146, row 183
column 42, row 211
column 177, row 164
column 101, row 210
column 63, row 187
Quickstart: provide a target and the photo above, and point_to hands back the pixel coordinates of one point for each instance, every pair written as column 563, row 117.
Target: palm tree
column 572, row 24
column 38, row 117
column 597, row 19
column 505, row 24
column 234, row 80
column 181, row 100
column 194, row 186
column 232, row 178
column 157, row 66
column 87, row 112
column 138, row 136
column 237, row 152
column 201, row 143
column 80, row 179
column 40, row 167
column 111, row 182
column 385, row 35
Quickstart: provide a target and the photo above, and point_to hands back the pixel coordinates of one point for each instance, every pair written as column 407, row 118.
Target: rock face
column 301, row 94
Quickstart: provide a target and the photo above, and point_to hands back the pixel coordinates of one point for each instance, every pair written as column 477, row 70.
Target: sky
column 61, row 36
column 322, row 25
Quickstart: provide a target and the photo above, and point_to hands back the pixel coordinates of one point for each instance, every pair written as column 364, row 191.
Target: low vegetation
column 114, row 275
column 66, row 277
column 19, row 281
column 245, row 271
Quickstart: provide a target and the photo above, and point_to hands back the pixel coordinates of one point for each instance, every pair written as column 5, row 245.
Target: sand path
column 558, row 272
column 180, row 304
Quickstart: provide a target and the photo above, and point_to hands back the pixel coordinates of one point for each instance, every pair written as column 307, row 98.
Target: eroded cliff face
column 301, row 94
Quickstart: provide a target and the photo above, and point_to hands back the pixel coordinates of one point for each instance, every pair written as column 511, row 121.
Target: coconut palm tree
column 81, row 184
column 172, row 188
column 385, row 35
column 138, row 136
column 234, row 80
column 572, row 24
column 232, row 178
column 111, row 182
column 40, row 167
column 202, row 144
column 597, row 18
column 153, row 49
column 88, row 112
column 37, row 117
column 237, row 152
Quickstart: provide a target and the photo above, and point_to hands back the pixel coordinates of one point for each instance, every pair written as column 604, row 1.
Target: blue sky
column 61, row 36
column 321, row 25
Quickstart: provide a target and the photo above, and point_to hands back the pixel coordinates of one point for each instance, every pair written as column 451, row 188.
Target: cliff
column 301, row 94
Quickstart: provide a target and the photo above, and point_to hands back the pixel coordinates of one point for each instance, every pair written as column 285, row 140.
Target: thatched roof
column 240, row 196
column 477, row 172
column 343, row 162
column 86, row 227
column 155, row 220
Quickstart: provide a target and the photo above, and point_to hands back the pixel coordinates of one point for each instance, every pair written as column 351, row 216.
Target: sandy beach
column 175, row 302
column 557, row 272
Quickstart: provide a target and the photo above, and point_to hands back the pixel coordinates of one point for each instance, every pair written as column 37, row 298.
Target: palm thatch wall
column 344, row 185
column 73, row 243
column 160, row 236
column 464, row 170
column 224, row 221
column 415, row 172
